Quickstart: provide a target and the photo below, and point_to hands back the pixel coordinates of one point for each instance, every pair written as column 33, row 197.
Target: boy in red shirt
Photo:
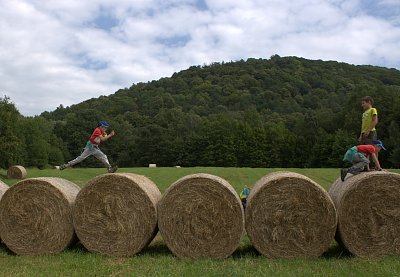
column 92, row 148
column 359, row 157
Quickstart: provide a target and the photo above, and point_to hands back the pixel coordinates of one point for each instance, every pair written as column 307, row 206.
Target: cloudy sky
column 67, row 51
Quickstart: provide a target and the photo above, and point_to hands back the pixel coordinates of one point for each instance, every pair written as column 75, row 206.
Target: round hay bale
column 16, row 172
column 368, row 210
column 3, row 188
column 36, row 216
column 201, row 215
column 289, row 215
column 116, row 214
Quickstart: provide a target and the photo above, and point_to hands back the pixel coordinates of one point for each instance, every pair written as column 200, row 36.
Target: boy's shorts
column 370, row 139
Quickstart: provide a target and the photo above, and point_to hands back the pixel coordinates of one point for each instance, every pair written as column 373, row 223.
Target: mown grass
column 157, row 260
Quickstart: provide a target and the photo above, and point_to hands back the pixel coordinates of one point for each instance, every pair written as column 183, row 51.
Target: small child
column 243, row 196
column 359, row 157
column 92, row 148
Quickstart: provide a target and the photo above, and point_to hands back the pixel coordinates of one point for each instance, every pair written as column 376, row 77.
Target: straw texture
column 36, row 217
column 16, row 172
column 201, row 215
column 3, row 188
column 289, row 215
column 116, row 214
column 368, row 209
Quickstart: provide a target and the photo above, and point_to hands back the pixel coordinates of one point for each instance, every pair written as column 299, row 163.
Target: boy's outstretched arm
column 104, row 138
column 376, row 161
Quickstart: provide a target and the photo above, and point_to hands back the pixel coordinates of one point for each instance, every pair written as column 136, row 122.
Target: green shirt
column 367, row 119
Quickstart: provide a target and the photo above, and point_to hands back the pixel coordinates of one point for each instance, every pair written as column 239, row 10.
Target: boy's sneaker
column 62, row 167
column 112, row 169
column 343, row 173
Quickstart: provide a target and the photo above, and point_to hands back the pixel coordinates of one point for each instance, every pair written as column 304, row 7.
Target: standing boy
column 369, row 121
column 359, row 157
column 92, row 148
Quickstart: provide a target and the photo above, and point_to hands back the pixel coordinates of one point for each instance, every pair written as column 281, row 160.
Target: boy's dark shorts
column 370, row 139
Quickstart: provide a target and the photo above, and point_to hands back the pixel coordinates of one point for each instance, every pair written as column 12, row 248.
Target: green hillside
column 280, row 112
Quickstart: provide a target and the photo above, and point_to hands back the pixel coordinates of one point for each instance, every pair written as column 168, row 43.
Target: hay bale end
column 116, row 214
column 368, row 210
column 16, row 172
column 36, row 216
column 201, row 216
column 3, row 188
column 289, row 215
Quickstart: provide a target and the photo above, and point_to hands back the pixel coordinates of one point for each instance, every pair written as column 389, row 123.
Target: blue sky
column 64, row 52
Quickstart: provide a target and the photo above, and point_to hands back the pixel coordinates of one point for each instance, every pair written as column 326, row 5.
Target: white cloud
column 53, row 52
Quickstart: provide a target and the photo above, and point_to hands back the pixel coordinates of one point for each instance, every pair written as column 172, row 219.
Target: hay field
column 157, row 260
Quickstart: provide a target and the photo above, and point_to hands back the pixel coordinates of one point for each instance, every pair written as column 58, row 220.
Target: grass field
column 157, row 260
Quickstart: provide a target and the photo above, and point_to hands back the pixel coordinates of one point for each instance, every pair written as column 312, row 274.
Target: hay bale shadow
column 246, row 251
column 157, row 247
column 336, row 252
column 6, row 250
column 156, row 250
column 78, row 247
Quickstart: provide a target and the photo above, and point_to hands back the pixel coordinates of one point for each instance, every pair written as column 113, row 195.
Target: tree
column 11, row 146
column 285, row 111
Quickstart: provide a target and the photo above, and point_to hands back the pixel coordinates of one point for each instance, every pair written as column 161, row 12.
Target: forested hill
column 280, row 112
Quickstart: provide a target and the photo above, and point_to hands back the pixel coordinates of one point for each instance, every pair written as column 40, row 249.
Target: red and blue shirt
column 95, row 137
column 367, row 150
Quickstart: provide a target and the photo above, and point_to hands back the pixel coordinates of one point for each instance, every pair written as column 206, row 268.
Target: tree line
column 277, row 112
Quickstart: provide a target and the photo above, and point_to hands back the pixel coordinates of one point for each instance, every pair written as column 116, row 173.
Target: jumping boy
column 92, row 148
column 359, row 157
column 369, row 121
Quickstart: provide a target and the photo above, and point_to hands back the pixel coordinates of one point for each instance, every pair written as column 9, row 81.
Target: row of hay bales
column 201, row 215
